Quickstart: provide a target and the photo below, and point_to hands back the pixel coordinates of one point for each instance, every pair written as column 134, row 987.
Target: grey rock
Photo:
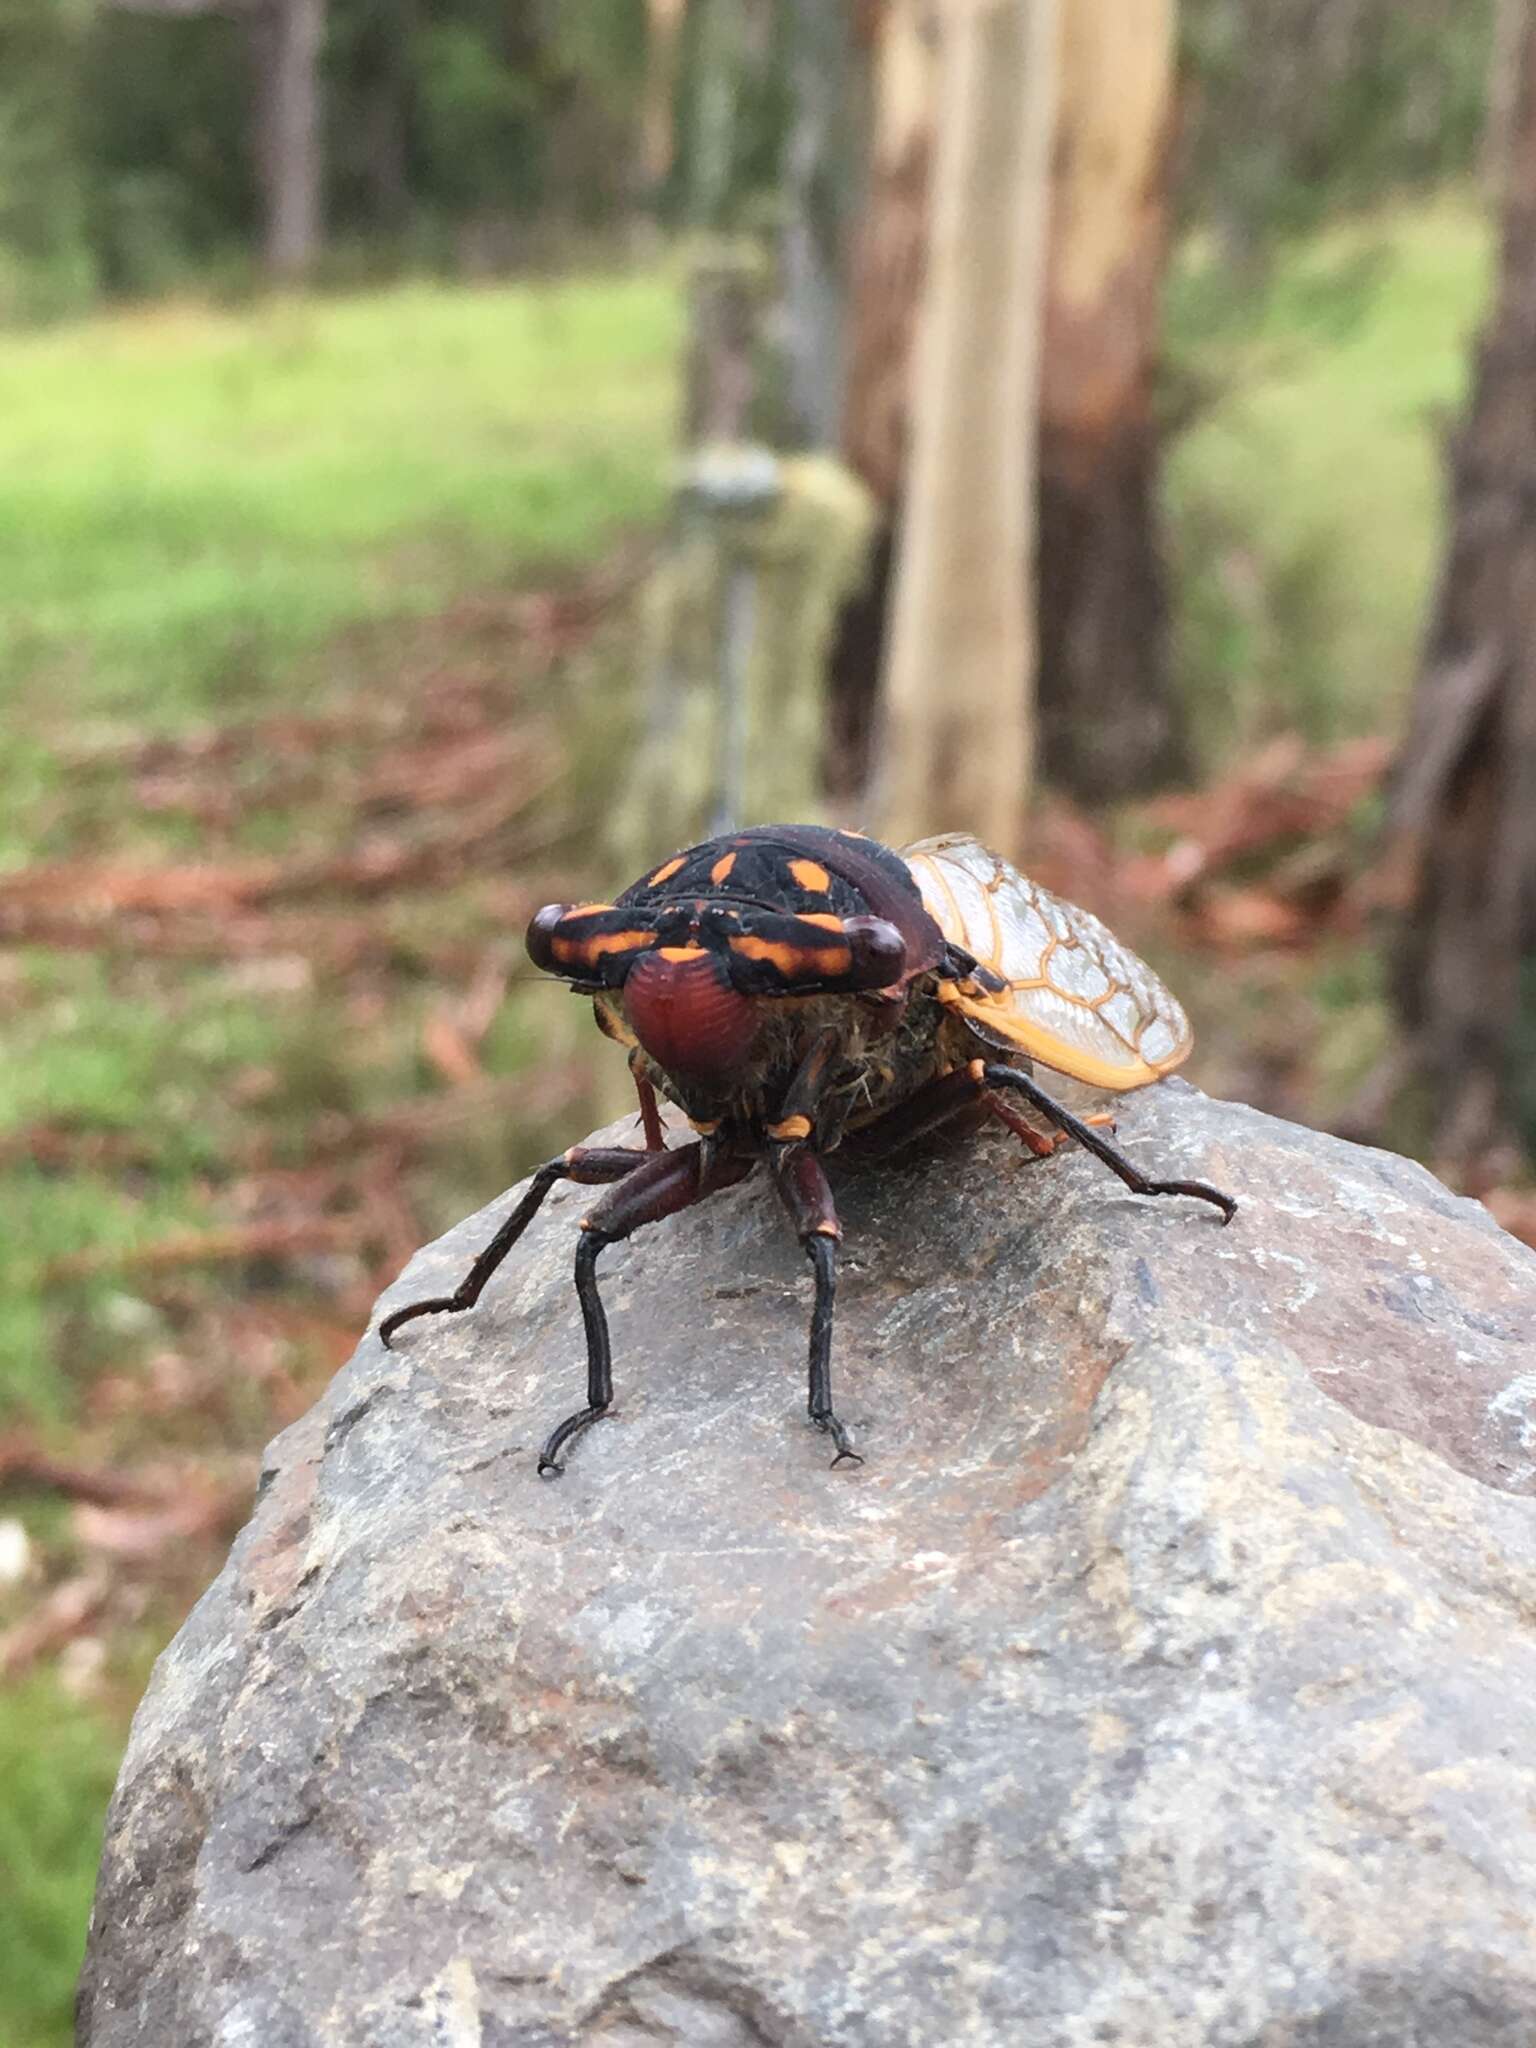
column 1166, row 1677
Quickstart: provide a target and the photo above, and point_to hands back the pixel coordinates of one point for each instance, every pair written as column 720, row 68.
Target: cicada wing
column 1074, row 998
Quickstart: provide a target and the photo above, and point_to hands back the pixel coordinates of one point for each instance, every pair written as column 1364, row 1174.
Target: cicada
column 795, row 990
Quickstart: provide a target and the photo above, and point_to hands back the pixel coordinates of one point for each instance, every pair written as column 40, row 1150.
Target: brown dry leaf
column 1248, row 917
column 1162, row 877
column 1514, row 1210
column 1282, row 795
column 23, row 1463
column 445, row 1047
column 452, row 1035
column 208, row 1247
column 1071, row 854
column 98, row 889
column 486, row 993
column 63, row 1614
column 69, row 902
column 136, row 1534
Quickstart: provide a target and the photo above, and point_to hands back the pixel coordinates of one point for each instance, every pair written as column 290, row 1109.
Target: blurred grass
column 189, row 497
column 57, row 1762
column 1306, row 497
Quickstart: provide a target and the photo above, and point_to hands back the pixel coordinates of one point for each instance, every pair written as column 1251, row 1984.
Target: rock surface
column 1166, row 1678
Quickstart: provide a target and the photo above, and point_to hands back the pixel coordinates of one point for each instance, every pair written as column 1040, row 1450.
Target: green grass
column 190, row 498
column 57, row 1763
column 1307, row 500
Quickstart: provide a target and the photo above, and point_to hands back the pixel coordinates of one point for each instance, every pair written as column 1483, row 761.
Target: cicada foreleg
column 650, row 1114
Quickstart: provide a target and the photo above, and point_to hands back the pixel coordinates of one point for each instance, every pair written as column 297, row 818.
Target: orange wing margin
column 1076, row 999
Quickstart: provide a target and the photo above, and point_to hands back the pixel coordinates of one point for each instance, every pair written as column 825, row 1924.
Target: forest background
column 347, row 354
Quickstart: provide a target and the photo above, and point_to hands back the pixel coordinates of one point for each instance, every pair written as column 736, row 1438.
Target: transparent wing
column 1076, row 999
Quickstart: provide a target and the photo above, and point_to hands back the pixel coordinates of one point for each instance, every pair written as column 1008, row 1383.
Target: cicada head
column 696, row 950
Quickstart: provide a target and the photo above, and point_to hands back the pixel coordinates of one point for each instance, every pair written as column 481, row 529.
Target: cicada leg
column 650, row 1115
column 801, row 1180
column 994, row 1077
column 592, row 1166
column 941, row 1104
column 660, row 1186
column 975, row 1087
column 1043, row 1145
column 802, row 1183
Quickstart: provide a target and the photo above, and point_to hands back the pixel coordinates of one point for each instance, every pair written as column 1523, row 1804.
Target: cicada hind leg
column 1044, row 1144
column 997, row 1077
column 978, row 1087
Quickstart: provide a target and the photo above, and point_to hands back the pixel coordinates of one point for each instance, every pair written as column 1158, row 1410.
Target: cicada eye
column 877, row 949
column 541, row 933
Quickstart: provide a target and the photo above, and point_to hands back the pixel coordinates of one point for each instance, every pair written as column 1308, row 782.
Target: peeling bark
column 957, row 738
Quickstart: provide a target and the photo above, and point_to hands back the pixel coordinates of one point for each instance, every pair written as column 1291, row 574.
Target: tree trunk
column 889, row 261
column 289, row 36
column 1463, row 809
column 891, row 254
column 1503, row 69
column 821, row 159
column 658, row 98
column 716, row 98
column 958, row 729
column 1110, row 724
column 387, row 114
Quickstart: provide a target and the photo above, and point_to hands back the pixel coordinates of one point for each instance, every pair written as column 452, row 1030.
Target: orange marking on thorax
column 810, row 874
column 666, row 871
column 601, row 943
column 722, row 867
column 681, row 952
column 795, row 962
column 824, row 918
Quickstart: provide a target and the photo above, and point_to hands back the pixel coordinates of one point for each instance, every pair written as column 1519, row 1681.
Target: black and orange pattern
column 781, row 909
